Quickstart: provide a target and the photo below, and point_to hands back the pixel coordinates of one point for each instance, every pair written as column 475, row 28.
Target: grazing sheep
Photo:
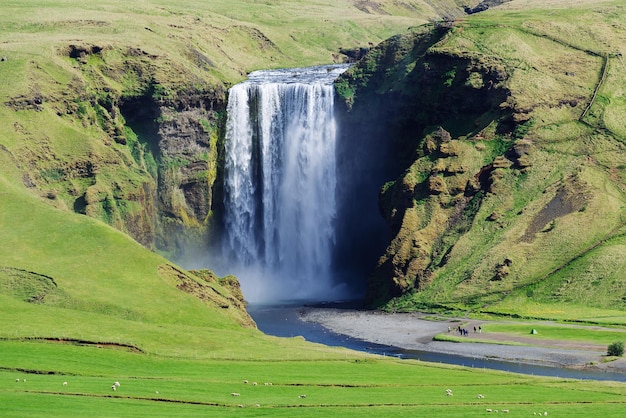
column 235, row 394
column 17, row 380
column 505, row 411
column 116, row 384
column 64, row 383
column 157, row 392
column 114, row 388
column 257, row 405
column 488, row 410
column 254, row 383
column 301, row 396
column 480, row 396
column 240, row 406
column 245, row 381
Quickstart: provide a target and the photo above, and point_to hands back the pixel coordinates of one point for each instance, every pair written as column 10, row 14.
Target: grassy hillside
column 517, row 204
column 230, row 37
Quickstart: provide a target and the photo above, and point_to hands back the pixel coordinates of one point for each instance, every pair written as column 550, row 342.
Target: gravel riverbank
column 413, row 332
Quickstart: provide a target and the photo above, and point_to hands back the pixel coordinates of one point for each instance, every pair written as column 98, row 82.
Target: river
column 285, row 321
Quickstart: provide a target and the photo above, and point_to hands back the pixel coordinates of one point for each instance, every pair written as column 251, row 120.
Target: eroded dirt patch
column 569, row 199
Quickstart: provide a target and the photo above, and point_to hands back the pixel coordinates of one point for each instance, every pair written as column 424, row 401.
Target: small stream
column 284, row 321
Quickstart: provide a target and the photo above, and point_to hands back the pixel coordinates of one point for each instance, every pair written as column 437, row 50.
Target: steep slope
column 510, row 195
column 56, row 266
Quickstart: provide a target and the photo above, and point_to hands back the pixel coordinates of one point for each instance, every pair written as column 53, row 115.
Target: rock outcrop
column 410, row 86
column 478, row 201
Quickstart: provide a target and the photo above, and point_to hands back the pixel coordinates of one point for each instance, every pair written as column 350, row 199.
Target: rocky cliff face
column 145, row 159
column 403, row 92
column 184, row 139
column 460, row 146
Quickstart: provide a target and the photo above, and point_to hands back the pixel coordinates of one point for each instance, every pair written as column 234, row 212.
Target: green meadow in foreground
column 75, row 378
column 82, row 305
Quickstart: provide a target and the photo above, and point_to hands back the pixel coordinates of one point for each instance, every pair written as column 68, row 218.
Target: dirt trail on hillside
column 413, row 332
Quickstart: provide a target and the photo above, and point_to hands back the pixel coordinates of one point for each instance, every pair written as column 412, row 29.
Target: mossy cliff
column 496, row 187
column 139, row 149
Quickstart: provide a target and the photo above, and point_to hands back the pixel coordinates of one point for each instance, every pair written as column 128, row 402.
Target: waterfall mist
column 280, row 185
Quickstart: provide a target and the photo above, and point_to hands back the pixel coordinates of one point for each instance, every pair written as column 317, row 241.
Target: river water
column 284, row 321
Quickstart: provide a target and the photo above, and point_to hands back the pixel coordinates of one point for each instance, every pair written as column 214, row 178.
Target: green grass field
column 359, row 386
column 560, row 332
column 547, row 334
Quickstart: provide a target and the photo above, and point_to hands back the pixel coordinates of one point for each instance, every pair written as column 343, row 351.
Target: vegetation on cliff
column 509, row 127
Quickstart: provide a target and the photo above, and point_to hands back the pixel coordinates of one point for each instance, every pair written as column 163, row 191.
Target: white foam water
column 280, row 183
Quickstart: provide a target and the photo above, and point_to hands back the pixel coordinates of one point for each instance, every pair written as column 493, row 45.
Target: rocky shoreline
column 411, row 331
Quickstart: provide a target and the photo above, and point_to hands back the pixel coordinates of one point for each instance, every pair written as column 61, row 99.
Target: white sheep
column 114, row 388
column 505, row 411
column 480, row 396
column 245, row 381
column 254, row 383
column 488, row 409
column 17, row 380
column 64, row 383
column 235, row 394
column 302, row 396
column 116, row 384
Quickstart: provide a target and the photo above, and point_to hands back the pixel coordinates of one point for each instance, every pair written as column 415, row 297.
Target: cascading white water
column 280, row 180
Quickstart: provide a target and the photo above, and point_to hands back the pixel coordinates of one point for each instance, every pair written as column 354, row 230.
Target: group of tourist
column 464, row 332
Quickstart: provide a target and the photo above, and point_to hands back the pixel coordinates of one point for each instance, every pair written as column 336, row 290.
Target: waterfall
column 280, row 183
